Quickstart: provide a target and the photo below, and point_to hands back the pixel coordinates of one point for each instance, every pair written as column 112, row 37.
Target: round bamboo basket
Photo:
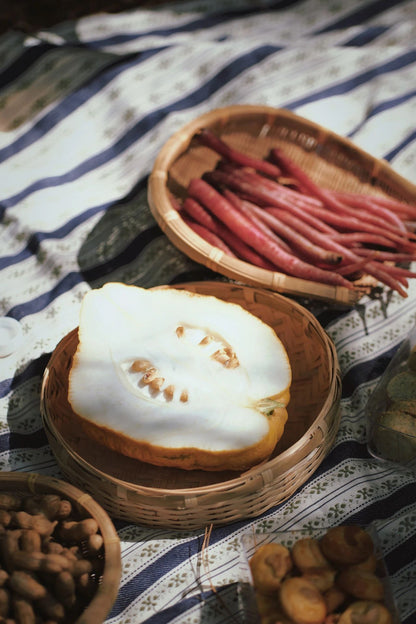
column 84, row 506
column 332, row 161
column 151, row 495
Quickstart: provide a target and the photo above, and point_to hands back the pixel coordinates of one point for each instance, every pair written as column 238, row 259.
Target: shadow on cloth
column 128, row 246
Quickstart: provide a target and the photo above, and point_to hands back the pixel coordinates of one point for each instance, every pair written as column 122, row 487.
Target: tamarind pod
column 26, row 585
column 8, row 546
column 85, row 585
column 50, row 546
column 80, row 567
column 50, row 607
column 30, row 541
column 23, row 611
column 65, row 509
column 65, row 589
column 40, row 562
column 94, row 544
column 5, row 517
column 38, row 522
column 10, row 501
column 369, row 564
column 3, row 577
column 76, row 531
column 4, row 602
column 46, row 504
column 50, row 505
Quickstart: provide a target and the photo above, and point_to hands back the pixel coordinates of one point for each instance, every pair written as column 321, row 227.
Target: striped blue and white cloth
column 84, row 109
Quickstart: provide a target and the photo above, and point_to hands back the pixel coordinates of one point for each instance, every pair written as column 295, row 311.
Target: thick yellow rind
column 191, row 458
column 237, row 459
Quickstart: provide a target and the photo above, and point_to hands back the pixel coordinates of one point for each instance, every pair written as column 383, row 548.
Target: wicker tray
column 332, row 161
column 151, row 495
column 85, row 506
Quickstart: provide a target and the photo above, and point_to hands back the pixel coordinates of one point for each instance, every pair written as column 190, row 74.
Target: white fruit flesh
column 175, row 369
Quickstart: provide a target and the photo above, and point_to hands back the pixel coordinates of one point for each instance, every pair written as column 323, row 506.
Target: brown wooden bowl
column 331, row 160
column 85, row 507
column 139, row 492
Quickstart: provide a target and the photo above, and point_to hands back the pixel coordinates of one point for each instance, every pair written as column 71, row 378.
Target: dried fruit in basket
column 269, row 565
column 332, row 579
column 179, row 379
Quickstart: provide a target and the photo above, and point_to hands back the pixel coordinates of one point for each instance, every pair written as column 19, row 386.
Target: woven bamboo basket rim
column 321, row 152
column 107, row 589
column 183, row 503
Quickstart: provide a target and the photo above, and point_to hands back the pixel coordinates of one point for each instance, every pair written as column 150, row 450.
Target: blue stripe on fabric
column 35, row 239
column 32, row 440
column 212, row 600
column 23, row 62
column 72, row 279
column 366, row 371
column 404, row 554
column 384, row 508
column 407, row 141
column 36, row 368
column 347, row 85
column 342, row 453
column 211, row 20
column 39, row 303
column 74, row 101
column 128, row 254
column 362, row 14
column 147, row 123
column 154, row 571
column 382, row 107
column 367, row 36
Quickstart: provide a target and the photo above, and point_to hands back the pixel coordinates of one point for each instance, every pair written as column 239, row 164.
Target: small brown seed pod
column 26, row 585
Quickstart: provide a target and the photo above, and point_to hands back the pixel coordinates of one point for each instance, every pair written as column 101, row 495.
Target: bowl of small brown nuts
column 59, row 552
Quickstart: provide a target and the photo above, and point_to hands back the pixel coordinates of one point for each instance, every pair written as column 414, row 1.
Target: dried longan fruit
column 366, row 612
column 302, row 601
column 347, row 544
column 307, row 553
column 361, row 584
column 269, row 564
